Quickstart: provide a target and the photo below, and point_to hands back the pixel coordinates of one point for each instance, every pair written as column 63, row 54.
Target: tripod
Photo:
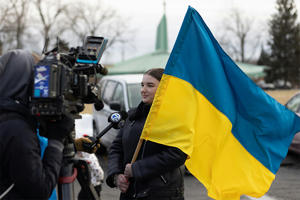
column 73, row 168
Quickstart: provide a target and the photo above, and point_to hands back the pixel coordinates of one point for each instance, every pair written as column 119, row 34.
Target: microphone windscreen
column 98, row 105
column 104, row 71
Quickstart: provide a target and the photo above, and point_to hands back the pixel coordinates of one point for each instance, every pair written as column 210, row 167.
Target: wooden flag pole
column 137, row 150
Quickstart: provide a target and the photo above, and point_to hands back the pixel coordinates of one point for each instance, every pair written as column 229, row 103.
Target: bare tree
column 51, row 16
column 3, row 14
column 50, row 19
column 14, row 23
column 239, row 40
column 96, row 19
column 20, row 19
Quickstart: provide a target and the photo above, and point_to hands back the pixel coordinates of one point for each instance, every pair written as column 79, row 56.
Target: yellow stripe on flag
column 196, row 127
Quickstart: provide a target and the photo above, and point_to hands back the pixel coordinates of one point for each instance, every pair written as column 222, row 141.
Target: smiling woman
column 157, row 172
column 150, row 83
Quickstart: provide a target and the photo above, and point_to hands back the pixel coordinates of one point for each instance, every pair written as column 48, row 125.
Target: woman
column 157, row 172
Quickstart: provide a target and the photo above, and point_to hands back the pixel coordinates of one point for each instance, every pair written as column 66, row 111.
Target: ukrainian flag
column 234, row 134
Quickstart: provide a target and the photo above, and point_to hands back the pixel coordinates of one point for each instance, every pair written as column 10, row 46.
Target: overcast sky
column 144, row 16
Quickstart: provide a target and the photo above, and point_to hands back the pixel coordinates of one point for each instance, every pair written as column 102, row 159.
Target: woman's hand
column 121, row 182
column 128, row 171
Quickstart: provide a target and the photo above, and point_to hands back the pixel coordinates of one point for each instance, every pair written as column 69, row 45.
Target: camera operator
column 23, row 173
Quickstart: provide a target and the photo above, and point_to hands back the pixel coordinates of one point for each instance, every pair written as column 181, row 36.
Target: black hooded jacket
column 157, row 172
column 20, row 160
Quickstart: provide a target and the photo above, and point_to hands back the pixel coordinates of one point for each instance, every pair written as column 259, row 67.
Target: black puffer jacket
column 157, row 173
column 20, row 160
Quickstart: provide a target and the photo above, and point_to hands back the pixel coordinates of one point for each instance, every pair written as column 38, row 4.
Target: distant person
column 24, row 172
column 157, row 173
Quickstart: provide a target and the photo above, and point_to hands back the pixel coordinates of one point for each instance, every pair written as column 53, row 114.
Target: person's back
column 21, row 167
column 20, row 161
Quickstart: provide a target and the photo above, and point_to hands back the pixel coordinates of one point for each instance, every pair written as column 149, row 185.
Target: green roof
column 140, row 64
column 158, row 59
column 253, row 71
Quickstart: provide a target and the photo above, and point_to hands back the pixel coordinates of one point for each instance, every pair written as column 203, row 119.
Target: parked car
column 118, row 92
column 265, row 86
column 293, row 104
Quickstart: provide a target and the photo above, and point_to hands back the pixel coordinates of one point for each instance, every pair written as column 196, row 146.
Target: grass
column 282, row 96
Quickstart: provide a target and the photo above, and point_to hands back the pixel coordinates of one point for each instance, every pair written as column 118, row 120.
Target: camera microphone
column 102, row 70
column 98, row 104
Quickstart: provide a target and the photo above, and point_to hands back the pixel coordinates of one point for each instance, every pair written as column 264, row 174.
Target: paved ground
column 287, row 183
column 285, row 187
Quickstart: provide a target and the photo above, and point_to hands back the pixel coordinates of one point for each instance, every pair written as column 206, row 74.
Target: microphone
column 98, row 104
column 102, row 70
column 94, row 99
column 115, row 119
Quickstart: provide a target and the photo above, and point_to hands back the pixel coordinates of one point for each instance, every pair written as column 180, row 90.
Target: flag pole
column 137, row 150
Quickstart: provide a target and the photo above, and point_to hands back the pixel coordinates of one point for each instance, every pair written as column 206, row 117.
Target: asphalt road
column 285, row 187
column 287, row 182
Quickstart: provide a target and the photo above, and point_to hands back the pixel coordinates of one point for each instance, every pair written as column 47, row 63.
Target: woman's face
column 149, row 86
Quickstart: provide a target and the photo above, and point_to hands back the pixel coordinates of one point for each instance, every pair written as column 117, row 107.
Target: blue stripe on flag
column 258, row 120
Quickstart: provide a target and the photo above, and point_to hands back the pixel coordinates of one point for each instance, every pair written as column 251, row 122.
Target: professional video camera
column 63, row 81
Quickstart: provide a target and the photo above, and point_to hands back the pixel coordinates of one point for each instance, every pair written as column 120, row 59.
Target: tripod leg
column 68, row 175
column 88, row 191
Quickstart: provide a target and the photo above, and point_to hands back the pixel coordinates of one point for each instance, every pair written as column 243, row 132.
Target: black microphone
column 102, row 70
column 93, row 98
column 98, row 104
column 115, row 120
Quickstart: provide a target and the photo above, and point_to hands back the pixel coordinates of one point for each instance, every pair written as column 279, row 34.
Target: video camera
column 63, row 81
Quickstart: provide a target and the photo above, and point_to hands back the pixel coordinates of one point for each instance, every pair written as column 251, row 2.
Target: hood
column 16, row 75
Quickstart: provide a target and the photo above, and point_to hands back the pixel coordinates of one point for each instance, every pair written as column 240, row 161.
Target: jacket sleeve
column 115, row 159
column 168, row 159
column 34, row 178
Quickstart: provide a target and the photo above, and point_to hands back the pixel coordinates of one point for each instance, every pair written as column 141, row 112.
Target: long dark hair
column 155, row 73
